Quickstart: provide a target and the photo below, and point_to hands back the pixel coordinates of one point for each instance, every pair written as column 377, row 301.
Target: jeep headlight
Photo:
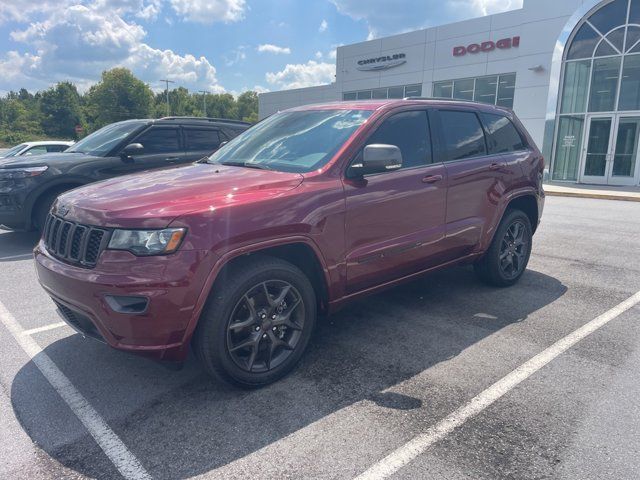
column 147, row 242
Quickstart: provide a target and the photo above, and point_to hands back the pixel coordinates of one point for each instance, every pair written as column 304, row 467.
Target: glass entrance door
column 611, row 150
column 624, row 165
column 597, row 150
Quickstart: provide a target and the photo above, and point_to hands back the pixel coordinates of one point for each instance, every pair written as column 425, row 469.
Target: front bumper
column 172, row 284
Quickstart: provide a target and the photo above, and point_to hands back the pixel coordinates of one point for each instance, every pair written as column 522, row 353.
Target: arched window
column 600, row 74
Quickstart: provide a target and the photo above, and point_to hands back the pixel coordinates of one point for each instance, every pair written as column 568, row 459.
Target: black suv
column 29, row 185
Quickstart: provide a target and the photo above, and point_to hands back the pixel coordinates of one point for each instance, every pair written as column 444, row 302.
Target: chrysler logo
column 382, row 63
column 63, row 210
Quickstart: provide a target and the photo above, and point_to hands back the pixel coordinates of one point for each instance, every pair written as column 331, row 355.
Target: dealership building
column 569, row 68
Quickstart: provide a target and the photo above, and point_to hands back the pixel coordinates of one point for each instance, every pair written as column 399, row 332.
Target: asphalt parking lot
column 380, row 374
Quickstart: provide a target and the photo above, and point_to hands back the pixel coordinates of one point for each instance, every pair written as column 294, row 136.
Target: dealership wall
column 430, row 58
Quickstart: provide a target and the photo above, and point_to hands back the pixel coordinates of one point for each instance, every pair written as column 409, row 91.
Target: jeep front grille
column 74, row 243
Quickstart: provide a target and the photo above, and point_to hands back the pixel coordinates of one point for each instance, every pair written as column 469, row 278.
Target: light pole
column 168, row 108
column 204, row 100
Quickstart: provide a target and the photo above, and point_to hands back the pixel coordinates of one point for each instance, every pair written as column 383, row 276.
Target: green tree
column 61, row 112
column 118, row 96
column 222, row 106
column 248, row 106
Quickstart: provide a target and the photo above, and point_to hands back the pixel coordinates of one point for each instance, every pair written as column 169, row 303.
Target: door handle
column 173, row 159
column 432, row 178
column 495, row 166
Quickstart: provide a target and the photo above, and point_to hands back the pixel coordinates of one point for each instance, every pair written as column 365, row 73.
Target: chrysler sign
column 382, row 63
column 489, row 46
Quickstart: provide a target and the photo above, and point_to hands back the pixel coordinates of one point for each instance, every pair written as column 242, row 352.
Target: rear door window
column 205, row 139
column 409, row 131
column 159, row 140
column 463, row 136
column 502, row 135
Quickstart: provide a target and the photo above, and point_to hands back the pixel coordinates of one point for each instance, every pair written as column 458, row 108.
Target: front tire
column 257, row 323
column 506, row 259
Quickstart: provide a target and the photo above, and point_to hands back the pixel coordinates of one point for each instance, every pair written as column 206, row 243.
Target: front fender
column 221, row 261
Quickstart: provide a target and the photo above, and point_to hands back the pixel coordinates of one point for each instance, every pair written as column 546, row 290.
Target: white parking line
column 415, row 447
column 46, row 328
column 126, row 463
column 24, row 256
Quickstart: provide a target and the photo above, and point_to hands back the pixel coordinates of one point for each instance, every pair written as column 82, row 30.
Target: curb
column 597, row 196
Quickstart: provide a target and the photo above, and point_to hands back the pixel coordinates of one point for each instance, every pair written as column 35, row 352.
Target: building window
column 493, row 89
column 402, row 91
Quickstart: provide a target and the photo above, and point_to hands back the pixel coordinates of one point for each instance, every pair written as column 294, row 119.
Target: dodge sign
column 487, row 46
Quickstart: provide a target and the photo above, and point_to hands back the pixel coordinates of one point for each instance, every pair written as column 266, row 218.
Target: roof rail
column 206, row 119
column 439, row 99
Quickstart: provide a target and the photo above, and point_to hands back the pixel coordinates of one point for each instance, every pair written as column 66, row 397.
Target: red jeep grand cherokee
column 310, row 208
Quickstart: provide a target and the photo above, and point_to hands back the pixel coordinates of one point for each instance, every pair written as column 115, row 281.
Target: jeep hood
column 153, row 199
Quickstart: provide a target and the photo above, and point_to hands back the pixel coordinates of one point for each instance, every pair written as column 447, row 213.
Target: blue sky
column 213, row 45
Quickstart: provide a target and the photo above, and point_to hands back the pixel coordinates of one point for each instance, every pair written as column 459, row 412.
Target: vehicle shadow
column 17, row 245
column 181, row 424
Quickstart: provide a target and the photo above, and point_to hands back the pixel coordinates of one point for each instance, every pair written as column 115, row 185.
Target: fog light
column 126, row 304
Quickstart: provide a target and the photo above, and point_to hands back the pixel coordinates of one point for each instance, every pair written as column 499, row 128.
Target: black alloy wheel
column 506, row 259
column 257, row 322
column 514, row 249
column 265, row 326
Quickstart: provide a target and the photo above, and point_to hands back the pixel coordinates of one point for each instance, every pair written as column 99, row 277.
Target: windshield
column 292, row 141
column 104, row 140
column 13, row 151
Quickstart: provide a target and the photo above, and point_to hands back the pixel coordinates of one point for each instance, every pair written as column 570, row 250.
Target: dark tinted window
column 56, row 148
column 503, row 136
column 463, row 135
column 408, row 131
column 203, row 139
column 159, row 140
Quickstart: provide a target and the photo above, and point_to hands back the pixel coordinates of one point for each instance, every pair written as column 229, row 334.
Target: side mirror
column 377, row 158
column 223, row 144
column 131, row 150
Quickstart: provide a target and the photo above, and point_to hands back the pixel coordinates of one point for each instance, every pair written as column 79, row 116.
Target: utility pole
column 204, row 100
column 168, row 108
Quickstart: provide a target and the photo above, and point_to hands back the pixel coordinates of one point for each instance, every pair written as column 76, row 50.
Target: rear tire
column 257, row 323
column 506, row 259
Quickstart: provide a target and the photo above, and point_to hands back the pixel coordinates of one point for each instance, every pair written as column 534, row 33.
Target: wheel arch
column 300, row 251
column 528, row 204
column 60, row 186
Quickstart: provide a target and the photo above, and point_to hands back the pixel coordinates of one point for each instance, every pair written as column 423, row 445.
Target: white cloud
column 301, row 75
column 323, row 26
column 319, row 55
column 409, row 15
column 78, row 43
column 269, row 48
column 210, row 11
column 22, row 10
column 260, row 89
